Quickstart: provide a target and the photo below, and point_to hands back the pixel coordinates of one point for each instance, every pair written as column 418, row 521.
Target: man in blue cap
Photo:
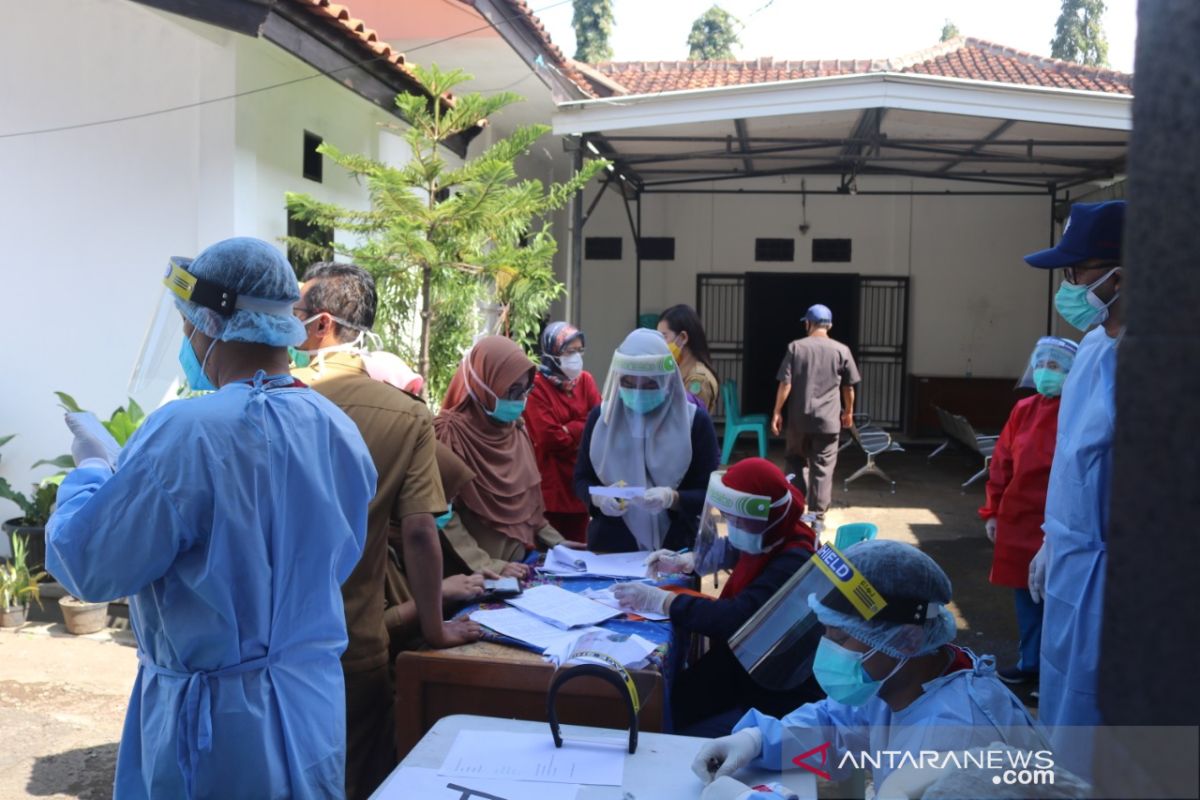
column 1069, row 569
column 818, row 376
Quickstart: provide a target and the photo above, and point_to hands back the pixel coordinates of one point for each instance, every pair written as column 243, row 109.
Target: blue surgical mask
column 1048, row 382
column 842, row 675
column 507, row 410
column 643, row 401
column 444, row 520
column 1080, row 306
column 744, row 541
column 193, row 370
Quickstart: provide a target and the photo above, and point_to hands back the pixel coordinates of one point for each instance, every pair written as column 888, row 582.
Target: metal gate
column 882, row 339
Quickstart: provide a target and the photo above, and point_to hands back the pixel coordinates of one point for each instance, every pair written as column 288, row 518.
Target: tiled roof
column 968, row 58
column 338, row 18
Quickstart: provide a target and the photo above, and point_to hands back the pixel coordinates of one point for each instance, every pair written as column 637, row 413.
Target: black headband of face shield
column 201, row 291
column 596, row 671
column 899, row 610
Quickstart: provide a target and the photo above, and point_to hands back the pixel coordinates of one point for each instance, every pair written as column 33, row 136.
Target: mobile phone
column 505, row 587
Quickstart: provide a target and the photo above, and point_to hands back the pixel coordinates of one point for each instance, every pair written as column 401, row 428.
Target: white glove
column 92, row 439
column 668, row 562
column 727, row 755
column 660, row 498
column 726, row 788
column 1037, row 574
column 642, row 597
column 990, row 528
column 611, row 506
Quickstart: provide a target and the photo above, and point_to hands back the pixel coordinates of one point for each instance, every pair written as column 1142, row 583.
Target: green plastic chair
column 736, row 424
column 853, row 533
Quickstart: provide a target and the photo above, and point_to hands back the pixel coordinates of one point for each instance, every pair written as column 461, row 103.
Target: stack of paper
column 606, row 597
column 582, row 563
column 525, row 628
column 561, row 608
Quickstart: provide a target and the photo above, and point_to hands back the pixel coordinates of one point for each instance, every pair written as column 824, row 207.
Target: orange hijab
column 507, row 490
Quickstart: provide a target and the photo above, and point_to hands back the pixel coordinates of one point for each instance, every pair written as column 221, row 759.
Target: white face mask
column 571, row 365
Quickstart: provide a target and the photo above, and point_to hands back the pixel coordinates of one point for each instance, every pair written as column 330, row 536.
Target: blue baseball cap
column 819, row 314
column 1093, row 231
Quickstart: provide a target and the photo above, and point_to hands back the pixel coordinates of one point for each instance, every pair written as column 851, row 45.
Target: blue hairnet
column 896, row 570
column 256, row 270
column 1054, row 348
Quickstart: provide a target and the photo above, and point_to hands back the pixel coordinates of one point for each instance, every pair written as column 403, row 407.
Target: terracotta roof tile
column 967, row 58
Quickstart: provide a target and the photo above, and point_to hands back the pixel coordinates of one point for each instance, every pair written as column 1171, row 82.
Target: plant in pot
column 18, row 585
column 35, row 507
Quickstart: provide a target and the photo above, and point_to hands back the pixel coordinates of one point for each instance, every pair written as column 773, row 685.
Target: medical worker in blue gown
column 1069, row 569
column 892, row 688
column 229, row 520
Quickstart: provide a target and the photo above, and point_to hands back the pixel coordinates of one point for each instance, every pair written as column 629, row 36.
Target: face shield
column 1048, row 365
column 776, row 646
column 746, row 517
column 637, row 386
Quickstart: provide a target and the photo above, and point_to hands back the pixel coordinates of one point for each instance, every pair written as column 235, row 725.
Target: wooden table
column 496, row 680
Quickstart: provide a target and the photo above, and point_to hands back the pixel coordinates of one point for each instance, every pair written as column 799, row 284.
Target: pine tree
column 949, row 31
column 443, row 241
column 1079, row 33
column 713, row 36
column 593, row 22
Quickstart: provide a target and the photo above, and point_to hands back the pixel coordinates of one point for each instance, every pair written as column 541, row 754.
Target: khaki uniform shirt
column 817, row 367
column 398, row 430
column 700, row 381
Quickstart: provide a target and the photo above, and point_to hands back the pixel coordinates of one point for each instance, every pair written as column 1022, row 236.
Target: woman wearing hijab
column 499, row 516
column 767, row 542
column 645, row 435
column 563, row 396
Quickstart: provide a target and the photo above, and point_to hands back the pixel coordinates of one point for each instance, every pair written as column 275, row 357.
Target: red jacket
column 1016, row 487
column 555, row 420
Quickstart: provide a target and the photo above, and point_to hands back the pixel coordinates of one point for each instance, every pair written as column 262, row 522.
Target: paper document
column 524, row 628
column 584, row 563
column 533, row 757
column 418, row 782
column 561, row 608
column 618, row 492
column 629, row 651
column 606, row 597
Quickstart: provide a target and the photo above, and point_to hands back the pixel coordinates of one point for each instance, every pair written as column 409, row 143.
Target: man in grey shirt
column 818, row 376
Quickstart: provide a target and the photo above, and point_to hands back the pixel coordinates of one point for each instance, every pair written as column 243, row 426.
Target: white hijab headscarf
column 653, row 449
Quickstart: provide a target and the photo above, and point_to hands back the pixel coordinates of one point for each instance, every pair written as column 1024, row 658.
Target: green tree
column 713, row 36
column 1079, row 33
column 949, row 31
column 593, row 22
column 442, row 241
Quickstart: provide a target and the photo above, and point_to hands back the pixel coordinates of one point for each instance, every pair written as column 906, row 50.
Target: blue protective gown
column 964, row 709
column 1075, row 526
column 230, row 523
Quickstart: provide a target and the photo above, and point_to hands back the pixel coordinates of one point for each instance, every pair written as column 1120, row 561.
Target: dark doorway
column 774, row 317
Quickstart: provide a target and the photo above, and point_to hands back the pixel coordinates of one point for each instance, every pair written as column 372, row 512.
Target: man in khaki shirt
column 337, row 306
column 816, row 380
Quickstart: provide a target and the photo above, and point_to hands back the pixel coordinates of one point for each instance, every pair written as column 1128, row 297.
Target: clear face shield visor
column 638, row 386
column 776, row 646
column 742, row 511
column 1050, row 355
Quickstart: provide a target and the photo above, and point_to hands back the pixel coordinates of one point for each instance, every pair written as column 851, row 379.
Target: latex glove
column 1037, row 574
column 726, row 788
column 910, row 780
column 990, row 528
column 727, row 755
column 92, row 439
column 668, row 562
column 611, row 506
column 660, row 498
column 642, row 597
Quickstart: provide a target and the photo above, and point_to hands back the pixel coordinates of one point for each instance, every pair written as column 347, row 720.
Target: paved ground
column 62, row 698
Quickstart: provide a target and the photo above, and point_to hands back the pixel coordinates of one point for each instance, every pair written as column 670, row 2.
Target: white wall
column 975, row 308
column 91, row 215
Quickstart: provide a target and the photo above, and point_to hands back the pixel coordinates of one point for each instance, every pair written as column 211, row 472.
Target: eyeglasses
column 1075, row 275
column 573, row 351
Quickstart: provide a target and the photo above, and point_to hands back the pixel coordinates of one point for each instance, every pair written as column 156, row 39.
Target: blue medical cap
column 254, row 270
column 1054, row 348
column 896, row 570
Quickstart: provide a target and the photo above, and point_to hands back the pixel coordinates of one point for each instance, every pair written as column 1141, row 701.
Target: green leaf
column 62, row 462
column 68, row 402
column 6, row 439
column 135, row 412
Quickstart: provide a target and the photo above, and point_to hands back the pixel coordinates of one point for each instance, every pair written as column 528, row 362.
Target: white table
column 661, row 769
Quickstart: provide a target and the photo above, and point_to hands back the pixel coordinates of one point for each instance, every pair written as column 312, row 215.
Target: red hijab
column 787, row 532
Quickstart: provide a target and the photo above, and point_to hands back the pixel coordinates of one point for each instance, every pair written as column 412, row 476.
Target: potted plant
column 35, row 508
column 81, row 616
column 18, row 585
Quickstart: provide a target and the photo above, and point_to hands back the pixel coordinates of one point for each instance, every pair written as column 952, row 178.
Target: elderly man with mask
column 1069, row 569
column 337, row 308
column 230, row 521
column 895, row 682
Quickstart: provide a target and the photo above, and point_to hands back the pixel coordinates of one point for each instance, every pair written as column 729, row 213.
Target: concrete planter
column 13, row 617
column 82, row 617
